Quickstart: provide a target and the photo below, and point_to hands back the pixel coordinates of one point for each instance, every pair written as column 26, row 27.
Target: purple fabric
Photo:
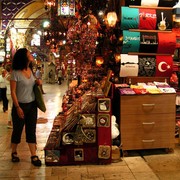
column 127, row 91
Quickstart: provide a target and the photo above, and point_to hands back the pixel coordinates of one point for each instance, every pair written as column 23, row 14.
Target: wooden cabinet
column 147, row 121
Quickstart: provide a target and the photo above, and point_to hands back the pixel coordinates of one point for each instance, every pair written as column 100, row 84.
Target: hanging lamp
column 112, row 18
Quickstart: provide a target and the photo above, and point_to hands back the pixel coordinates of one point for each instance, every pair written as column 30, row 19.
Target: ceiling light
column 46, row 24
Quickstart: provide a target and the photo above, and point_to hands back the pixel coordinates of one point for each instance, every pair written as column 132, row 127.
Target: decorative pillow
column 39, row 98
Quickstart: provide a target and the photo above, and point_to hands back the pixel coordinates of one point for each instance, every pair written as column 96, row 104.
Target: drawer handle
column 148, row 105
column 150, row 123
column 148, row 141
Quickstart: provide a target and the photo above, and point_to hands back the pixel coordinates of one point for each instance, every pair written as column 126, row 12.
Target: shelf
column 135, row 80
column 150, row 44
column 146, row 30
column 177, row 64
column 148, row 54
column 151, row 7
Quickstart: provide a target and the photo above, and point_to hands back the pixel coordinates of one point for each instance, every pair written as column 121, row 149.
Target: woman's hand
column 20, row 112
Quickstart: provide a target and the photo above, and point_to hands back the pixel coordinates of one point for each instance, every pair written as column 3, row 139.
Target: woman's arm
column 13, row 93
column 15, row 100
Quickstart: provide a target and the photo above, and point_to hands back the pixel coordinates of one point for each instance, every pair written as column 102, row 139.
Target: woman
column 24, row 110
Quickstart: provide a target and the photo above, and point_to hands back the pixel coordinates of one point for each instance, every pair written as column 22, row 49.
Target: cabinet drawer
column 147, row 104
column 158, row 140
column 147, row 132
column 144, row 124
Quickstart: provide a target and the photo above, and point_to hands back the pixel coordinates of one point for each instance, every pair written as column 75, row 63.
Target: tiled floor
column 138, row 165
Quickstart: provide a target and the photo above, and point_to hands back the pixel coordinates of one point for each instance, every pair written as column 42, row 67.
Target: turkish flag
column 164, row 66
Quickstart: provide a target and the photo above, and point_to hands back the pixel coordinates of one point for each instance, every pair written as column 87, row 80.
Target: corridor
column 138, row 165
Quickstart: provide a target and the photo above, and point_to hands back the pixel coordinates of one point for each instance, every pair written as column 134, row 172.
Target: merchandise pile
column 145, row 88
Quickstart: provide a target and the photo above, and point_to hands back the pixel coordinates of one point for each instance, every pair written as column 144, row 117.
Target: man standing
column 3, row 90
column 59, row 76
column 51, row 76
column 38, row 75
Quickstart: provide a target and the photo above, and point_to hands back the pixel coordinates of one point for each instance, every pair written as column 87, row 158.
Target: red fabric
column 147, row 19
column 166, row 43
column 90, row 155
column 104, row 136
column 140, row 91
column 164, row 66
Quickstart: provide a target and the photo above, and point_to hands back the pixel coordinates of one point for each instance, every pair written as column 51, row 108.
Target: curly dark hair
column 20, row 59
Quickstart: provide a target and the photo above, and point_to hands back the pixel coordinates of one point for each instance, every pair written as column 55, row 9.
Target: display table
column 147, row 121
column 81, row 136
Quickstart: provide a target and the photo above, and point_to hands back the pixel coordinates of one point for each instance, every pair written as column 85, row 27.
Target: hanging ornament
column 99, row 61
column 112, row 19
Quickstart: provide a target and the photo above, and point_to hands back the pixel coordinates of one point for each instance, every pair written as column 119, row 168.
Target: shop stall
column 143, row 101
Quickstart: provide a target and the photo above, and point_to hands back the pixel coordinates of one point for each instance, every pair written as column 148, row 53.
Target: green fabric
column 39, row 98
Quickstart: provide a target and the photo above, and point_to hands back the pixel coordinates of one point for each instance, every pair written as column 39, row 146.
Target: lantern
column 176, row 15
column 49, row 3
column 117, row 57
column 66, row 7
column 99, row 60
column 112, row 18
column 84, row 80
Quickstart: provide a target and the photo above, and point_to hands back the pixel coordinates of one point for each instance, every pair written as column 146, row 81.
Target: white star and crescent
column 160, row 66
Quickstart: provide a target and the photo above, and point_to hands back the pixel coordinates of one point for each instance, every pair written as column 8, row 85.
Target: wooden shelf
column 146, row 30
column 151, row 7
column 148, row 54
column 177, row 64
column 135, row 80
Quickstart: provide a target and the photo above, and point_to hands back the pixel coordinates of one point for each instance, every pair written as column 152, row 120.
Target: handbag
column 39, row 98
